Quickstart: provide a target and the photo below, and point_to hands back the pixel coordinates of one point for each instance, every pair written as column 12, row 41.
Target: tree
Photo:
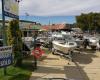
column 82, row 22
column 14, row 38
column 90, row 21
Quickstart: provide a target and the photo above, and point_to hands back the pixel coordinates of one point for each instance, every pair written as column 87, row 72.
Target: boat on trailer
column 64, row 47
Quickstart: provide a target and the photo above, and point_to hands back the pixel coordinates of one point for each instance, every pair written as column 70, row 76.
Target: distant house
column 56, row 27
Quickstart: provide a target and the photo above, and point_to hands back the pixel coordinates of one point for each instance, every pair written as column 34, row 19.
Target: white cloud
column 58, row 7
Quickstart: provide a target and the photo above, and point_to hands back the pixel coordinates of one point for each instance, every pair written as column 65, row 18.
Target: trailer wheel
column 93, row 47
column 53, row 51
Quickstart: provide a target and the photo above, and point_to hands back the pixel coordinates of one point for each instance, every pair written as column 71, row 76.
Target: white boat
column 79, row 42
column 93, row 42
column 64, row 48
column 65, row 43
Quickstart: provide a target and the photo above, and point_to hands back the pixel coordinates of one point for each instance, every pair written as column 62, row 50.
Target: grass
column 17, row 73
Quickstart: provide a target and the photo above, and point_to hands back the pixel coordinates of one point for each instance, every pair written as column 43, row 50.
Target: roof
column 27, row 21
column 54, row 27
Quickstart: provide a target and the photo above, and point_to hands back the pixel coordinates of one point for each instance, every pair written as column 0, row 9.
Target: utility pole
column 4, row 31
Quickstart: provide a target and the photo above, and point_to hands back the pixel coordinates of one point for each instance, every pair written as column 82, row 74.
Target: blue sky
column 45, row 20
column 50, row 19
column 55, row 11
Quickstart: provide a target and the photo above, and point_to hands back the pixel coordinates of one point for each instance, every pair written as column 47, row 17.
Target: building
column 27, row 27
column 54, row 27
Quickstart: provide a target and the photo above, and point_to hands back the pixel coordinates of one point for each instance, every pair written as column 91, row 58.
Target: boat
column 93, row 42
column 65, row 47
column 27, row 41
column 79, row 42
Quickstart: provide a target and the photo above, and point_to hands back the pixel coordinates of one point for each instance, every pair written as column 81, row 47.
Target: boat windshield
column 68, row 38
column 59, row 39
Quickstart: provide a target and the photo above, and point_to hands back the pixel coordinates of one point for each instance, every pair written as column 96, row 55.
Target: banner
column 5, row 56
column 11, row 8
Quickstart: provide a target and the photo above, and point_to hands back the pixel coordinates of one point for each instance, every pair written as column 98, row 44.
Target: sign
column 38, row 52
column 11, row 8
column 5, row 56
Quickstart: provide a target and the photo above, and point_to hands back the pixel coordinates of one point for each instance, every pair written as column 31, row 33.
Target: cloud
column 58, row 7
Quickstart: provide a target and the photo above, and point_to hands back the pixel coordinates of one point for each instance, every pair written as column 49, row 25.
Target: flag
column 38, row 52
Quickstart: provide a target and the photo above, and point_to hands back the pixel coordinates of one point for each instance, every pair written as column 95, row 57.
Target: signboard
column 5, row 56
column 11, row 8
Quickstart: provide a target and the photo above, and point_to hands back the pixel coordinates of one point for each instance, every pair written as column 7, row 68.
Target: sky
column 56, row 11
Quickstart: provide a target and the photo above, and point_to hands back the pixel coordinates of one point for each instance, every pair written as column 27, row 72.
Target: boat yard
column 49, row 40
column 86, row 66
column 81, row 64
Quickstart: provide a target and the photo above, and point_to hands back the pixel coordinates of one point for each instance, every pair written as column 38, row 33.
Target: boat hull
column 64, row 47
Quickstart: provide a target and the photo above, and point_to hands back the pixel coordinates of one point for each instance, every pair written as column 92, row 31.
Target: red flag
column 38, row 52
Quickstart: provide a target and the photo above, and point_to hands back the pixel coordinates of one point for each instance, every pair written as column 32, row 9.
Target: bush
column 14, row 39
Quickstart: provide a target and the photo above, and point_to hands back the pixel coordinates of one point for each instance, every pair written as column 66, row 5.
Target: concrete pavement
column 86, row 66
